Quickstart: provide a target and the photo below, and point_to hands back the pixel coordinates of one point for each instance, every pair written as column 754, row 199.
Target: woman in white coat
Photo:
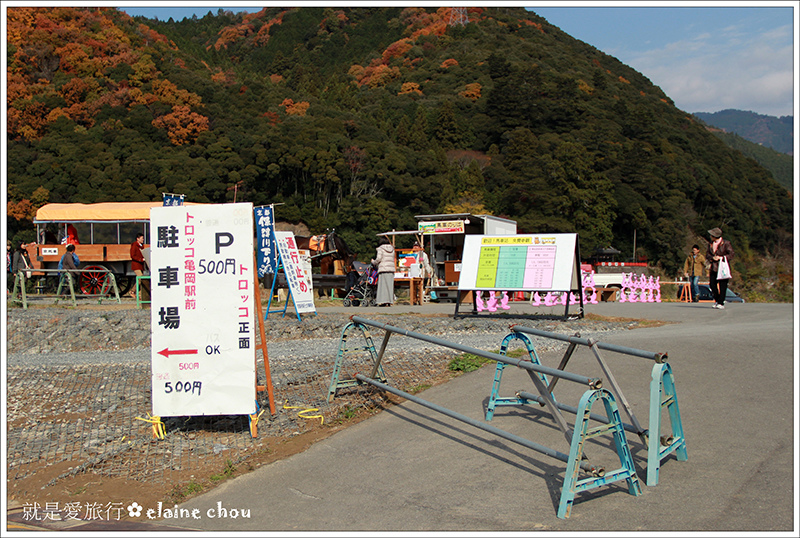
column 385, row 262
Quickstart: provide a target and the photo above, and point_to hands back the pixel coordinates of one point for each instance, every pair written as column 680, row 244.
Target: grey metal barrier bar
column 573, row 410
column 594, row 383
column 660, row 358
column 589, row 468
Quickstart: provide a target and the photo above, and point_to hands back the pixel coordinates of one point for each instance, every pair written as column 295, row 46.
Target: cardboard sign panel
column 299, row 281
column 202, row 311
column 541, row 262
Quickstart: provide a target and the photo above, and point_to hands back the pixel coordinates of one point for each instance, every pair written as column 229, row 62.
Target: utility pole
column 235, row 188
column 458, row 16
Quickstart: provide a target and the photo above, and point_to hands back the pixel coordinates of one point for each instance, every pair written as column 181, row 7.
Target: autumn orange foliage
column 231, row 34
column 295, row 109
column 22, row 210
column 262, row 36
column 272, row 117
column 418, row 23
column 375, row 75
column 80, row 45
column 168, row 93
column 223, row 77
column 534, row 24
column 396, row 50
column 472, row 91
column 182, row 125
column 409, row 87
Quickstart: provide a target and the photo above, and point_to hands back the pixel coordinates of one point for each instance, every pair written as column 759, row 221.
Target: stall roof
column 458, row 216
column 101, row 212
column 393, row 232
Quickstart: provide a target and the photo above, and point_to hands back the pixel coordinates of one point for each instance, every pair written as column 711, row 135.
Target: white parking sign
column 202, row 320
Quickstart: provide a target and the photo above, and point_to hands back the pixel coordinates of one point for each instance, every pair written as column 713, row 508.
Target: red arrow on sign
column 166, row 352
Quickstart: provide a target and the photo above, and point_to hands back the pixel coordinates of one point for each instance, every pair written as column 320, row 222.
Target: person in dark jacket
column 21, row 259
column 717, row 249
column 69, row 260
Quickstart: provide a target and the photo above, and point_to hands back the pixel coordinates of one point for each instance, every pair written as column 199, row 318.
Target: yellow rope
column 254, row 419
column 159, row 431
column 307, row 410
column 311, row 410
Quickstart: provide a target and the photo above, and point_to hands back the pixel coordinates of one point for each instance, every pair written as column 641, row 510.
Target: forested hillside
column 780, row 165
column 769, row 131
column 360, row 118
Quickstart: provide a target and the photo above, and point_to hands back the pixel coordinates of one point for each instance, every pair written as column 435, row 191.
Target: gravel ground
column 64, row 336
column 79, row 385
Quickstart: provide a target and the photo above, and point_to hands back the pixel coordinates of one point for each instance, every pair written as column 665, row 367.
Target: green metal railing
column 66, row 281
column 139, row 301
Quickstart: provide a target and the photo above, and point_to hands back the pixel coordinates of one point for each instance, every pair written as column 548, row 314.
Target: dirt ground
column 79, row 454
column 90, row 488
column 94, row 494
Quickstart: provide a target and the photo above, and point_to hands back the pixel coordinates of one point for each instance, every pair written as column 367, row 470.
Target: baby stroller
column 364, row 290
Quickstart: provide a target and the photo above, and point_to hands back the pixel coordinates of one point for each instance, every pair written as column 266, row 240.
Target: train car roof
column 101, row 212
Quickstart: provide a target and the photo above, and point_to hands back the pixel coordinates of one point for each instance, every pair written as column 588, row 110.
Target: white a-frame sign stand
column 531, row 263
column 203, row 323
column 300, row 289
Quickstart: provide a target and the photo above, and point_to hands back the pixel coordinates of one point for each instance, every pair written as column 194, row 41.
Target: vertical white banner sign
column 299, row 283
column 203, row 319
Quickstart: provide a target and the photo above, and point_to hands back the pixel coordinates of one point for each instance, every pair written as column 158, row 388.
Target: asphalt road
column 412, row 469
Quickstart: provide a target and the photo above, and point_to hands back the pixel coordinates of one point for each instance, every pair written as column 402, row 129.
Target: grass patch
column 418, row 388
column 633, row 323
column 467, row 362
column 348, row 412
column 179, row 493
column 516, row 353
column 227, row 472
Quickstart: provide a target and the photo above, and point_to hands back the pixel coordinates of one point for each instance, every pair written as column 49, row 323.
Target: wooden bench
column 607, row 294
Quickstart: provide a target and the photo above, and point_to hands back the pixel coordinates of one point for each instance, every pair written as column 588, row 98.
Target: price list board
column 520, row 262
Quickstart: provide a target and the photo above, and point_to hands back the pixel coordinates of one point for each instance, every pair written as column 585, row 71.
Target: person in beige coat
column 693, row 267
column 385, row 262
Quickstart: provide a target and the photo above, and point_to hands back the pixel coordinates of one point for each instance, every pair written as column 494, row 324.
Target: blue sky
column 705, row 58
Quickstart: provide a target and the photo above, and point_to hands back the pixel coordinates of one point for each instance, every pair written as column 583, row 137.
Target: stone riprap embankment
column 64, row 330
column 79, row 386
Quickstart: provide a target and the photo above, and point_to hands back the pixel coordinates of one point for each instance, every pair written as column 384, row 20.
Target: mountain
column 780, row 165
column 769, row 131
column 360, row 118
